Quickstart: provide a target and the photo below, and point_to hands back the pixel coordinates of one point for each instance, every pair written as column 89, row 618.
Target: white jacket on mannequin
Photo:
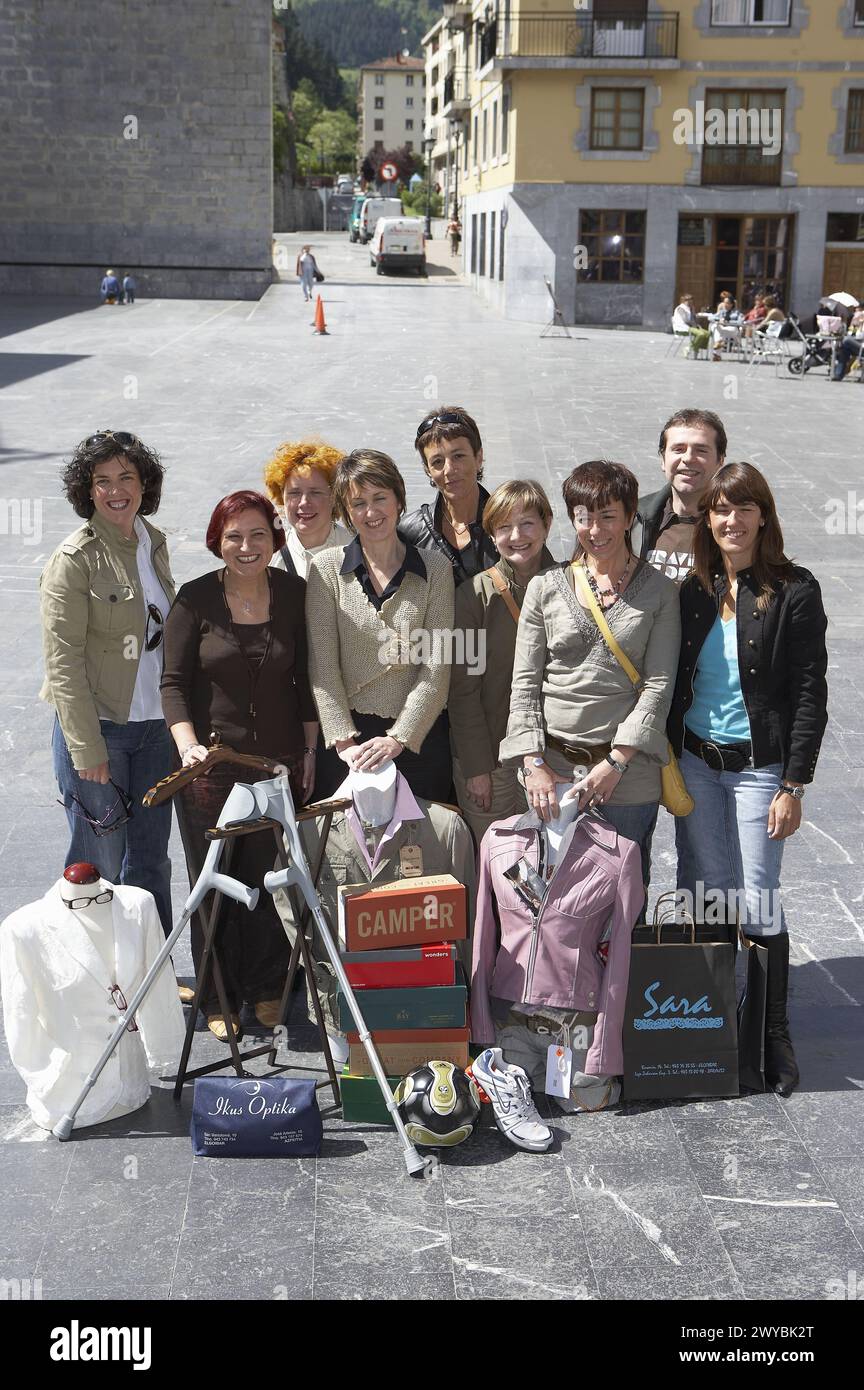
column 59, row 1012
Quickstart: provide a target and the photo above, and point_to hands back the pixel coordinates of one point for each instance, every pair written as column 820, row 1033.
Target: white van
column 399, row 244
column 372, row 209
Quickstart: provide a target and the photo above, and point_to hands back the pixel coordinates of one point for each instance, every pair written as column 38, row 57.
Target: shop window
column 615, row 245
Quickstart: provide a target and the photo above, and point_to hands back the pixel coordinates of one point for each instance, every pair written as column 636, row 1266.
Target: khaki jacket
column 479, row 702
column 93, row 629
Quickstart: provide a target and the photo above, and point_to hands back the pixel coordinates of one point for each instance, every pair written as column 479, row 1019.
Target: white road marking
column 195, row 327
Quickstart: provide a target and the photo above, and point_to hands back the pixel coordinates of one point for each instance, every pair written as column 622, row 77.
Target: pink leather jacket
column 596, row 885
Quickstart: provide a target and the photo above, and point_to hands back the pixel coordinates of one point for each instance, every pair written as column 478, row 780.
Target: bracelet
column 620, row 768
column 312, row 751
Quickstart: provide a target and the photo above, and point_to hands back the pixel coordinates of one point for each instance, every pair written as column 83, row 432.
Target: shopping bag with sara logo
column 680, row 1024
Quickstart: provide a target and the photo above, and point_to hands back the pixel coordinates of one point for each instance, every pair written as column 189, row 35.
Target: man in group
column 692, row 447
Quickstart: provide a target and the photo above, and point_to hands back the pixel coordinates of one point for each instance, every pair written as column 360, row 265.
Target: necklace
column 246, row 604
column 615, row 589
column 460, row 527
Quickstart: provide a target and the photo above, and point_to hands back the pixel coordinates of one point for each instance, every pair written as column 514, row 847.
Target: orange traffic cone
column 320, row 325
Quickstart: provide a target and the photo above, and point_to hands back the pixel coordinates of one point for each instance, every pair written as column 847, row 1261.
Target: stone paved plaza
column 751, row 1198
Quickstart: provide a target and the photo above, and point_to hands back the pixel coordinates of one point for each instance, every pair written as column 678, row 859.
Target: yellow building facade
column 630, row 151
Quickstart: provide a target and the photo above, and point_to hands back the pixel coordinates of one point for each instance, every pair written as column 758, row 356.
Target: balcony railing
column 739, row 164
column 456, row 91
column 488, row 43
column 583, row 36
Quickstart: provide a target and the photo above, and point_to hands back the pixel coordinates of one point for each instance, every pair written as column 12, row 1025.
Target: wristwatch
column 797, row 792
column 620, row 767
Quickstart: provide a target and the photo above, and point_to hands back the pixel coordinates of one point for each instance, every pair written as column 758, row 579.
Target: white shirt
column 682, row 319
column 339, row 535
column 146, row 702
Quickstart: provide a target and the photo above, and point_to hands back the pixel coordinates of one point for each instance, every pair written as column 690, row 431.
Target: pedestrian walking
column 307, row 271
column 454, row 231
column 129, row 288
column 110, row 288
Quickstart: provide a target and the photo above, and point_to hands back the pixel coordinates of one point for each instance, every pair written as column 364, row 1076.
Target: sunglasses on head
column 121, row 437
column 446, row 418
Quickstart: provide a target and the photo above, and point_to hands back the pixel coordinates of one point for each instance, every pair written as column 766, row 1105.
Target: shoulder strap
column 504, row 590
column 288, row 558
column 600, row 619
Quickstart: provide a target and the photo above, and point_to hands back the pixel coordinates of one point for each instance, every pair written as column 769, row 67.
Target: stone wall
column 136, row 134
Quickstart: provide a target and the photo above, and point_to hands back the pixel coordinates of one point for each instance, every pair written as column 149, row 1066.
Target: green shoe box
column 362, row 1101
column 432, row 1006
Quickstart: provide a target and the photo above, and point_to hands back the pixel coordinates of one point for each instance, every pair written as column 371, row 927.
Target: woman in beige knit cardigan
column 380, row 617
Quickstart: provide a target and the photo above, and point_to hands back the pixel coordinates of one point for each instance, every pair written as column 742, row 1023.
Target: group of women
column 301, row 647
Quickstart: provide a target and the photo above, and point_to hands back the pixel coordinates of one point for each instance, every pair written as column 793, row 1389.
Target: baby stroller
column 816, row 351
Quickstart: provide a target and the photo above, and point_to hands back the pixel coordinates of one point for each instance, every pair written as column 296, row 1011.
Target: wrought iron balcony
column 456, row 94
column 741, row 165
column 583, row 36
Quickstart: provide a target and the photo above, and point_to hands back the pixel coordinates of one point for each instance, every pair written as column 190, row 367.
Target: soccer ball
column 439, row 1104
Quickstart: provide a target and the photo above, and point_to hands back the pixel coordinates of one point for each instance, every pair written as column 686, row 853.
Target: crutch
column 272, row 799
column 209, row 878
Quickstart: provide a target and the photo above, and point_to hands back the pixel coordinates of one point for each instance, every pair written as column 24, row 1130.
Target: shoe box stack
column 400, row 960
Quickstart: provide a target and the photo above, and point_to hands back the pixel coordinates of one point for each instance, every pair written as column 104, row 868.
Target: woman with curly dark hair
column 105, row 594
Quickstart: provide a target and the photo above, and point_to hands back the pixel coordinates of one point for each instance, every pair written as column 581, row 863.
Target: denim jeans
column 724, row 844
column 139, row 756
column 636, row 823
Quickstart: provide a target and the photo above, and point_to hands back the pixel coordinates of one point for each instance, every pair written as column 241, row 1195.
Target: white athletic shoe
column 509, row 1090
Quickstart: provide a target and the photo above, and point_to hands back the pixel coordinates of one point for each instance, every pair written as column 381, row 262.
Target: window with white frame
column 379, row 79
column 505, row 121
column 409, row 124
column 859, row 12
column 485, row 135
column 379, row 103
column 379, row 124
column 409, row 101
column 750, row 12
column 409, row 80
column 494, row 156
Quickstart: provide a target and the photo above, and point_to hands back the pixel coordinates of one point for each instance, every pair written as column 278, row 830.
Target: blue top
column 718, row 711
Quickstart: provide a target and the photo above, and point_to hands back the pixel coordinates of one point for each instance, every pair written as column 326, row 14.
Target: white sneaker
column 509, row 1090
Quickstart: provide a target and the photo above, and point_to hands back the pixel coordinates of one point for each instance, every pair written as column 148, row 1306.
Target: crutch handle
column 233, row 888
column 277, row 879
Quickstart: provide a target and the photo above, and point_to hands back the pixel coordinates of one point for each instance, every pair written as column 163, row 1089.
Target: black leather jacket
column 649, row 514
column 424, row 528
column 782, row 663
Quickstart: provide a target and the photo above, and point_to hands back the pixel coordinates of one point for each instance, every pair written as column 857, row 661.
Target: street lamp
column 428, row 145
column 456, row 131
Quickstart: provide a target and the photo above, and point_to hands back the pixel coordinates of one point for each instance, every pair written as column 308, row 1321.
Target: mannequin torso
column 80, row 881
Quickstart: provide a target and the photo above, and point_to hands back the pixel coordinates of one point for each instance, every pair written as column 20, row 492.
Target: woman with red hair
column 299, row 478
column 236, row 663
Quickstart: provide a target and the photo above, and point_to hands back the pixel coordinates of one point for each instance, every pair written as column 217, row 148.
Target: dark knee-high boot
column 781, row 1069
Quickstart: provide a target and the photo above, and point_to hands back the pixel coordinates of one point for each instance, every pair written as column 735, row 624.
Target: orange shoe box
column 403, row 1049
column 409, row 912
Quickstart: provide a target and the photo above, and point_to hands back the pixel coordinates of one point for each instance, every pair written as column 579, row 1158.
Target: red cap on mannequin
column 81, row 873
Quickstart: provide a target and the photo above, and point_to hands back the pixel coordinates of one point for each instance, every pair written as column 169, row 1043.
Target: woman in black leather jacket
column 747, row 719
column 448, row 441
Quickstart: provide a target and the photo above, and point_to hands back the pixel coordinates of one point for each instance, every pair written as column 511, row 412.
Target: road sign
column 388, row 173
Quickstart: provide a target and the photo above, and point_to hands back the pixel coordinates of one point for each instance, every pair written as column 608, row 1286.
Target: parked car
column 354, row 217
column 399, row 244
column 344, row 183
column 372, row 209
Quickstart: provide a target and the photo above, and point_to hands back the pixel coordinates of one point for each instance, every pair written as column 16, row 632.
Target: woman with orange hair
column 299, row 480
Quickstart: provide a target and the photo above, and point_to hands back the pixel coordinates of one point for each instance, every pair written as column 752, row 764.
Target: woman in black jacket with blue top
column 747, row 720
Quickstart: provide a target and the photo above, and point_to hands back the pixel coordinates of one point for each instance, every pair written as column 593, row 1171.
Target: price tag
column 411, row 861
column 559, row 1063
